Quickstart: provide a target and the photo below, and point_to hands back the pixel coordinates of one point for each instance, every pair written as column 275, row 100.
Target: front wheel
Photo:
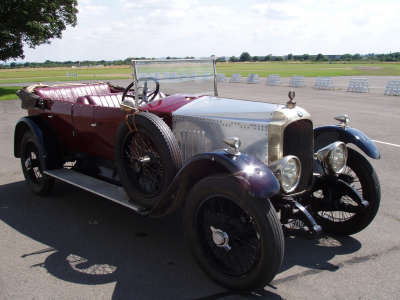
column 361, row 175
column 236, row 239
column 41, row 184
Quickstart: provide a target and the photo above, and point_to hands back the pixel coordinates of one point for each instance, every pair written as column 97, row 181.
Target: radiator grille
column 298, row 140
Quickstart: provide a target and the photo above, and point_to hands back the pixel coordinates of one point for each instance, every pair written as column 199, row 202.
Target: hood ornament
column 291, row 104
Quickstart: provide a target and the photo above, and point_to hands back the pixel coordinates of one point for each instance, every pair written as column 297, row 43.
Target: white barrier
column 253, row 79
column 206, row 77
column 324, row 83
column 150, row 75
column 193, row 76
column 236, row 78
column 297, row 81
column 358, row 85
column 221, row 77
column 157, row 76
column 183, row 75
column 166, row 75
column 393, row 87
column 274, row 79
column 174, row 75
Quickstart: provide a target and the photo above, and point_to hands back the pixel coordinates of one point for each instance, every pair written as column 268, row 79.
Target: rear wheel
column 236, row 239
column 361, row 175
column 41, row 184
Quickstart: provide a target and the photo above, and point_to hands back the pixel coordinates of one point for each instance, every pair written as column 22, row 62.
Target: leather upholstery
column 72, row 93
column 112, row 100
column 82, row 100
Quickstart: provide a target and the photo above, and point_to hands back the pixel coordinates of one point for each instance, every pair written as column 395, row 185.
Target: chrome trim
column 215, row 78
column 135, row 81
column 277, row 167
column 343, row 119
column 325, row 157
column 281, row 119
column 234, row 144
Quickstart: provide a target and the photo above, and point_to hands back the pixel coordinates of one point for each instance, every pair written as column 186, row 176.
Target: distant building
column 334, row 56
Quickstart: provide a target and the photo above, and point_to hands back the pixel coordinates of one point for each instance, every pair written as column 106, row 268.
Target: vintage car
column 246, row 173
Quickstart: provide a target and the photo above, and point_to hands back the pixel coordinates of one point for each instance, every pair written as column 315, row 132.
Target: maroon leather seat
column 111, row 99
column 72, row 93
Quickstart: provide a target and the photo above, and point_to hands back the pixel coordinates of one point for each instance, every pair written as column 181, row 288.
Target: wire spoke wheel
column 32, row 163
column 236, row 239
column 143, row 163
column 244, row 239
column 38, row 182
column 147, row 157
column 362, row 177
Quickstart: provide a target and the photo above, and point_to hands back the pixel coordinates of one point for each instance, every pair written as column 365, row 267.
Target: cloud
column 156, row 28
column 93, row 10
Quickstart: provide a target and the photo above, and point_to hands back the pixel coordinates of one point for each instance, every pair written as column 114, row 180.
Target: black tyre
column 148, row 159
column 236, row 239
column 41, row 184
column 364, row 179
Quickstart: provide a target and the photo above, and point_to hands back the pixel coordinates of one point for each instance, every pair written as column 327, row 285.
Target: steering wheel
column 146, row 96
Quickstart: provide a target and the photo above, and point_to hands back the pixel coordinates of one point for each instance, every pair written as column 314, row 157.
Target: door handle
column 50, row 116
column 94, row 125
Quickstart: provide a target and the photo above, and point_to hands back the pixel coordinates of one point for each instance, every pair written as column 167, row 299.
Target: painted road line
column 386, row 143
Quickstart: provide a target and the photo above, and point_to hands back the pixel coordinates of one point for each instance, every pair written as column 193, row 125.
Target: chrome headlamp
column 287, row 170
column 333, row 157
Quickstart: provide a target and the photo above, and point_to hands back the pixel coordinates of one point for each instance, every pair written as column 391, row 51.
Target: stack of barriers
column 358, row 85
column 221, row 77
column 253, row 79
column 393, row 87
column 274, row 79
column 324, row 83
column 297, row 81
column 236, row 78
column 207, row 77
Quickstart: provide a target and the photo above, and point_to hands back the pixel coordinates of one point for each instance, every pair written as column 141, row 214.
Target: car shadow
column 90, row 240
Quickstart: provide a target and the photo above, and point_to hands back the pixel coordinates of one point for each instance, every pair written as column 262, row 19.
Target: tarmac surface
column 76, row 245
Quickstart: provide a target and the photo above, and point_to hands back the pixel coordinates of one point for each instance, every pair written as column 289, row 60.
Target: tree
column 34, row 23
column 268, row 58
column 233, row 59
column 256, row 58
column 306, row 56
column 357, row 56
column 245, row 56
column 290, row 56
column 279, row 58
column 346, row 56
column 320, row 57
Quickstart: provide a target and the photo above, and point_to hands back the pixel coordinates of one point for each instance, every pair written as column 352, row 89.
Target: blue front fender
column 326, row 135
column 252, row 174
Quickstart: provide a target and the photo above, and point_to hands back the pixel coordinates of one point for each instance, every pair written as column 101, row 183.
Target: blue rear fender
column 326, row 135
column 49, row 148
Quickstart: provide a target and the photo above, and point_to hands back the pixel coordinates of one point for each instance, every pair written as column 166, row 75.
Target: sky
column 112, row 30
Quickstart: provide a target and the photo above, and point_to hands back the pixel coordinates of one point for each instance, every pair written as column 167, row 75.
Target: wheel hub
column 137, row 163
column 28, row 164
column 220, row 238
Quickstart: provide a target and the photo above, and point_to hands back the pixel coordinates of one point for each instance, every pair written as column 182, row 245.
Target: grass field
column 263, row 69
column 8, row 92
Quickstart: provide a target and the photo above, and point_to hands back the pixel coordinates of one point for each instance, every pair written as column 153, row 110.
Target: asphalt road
column 76, row 245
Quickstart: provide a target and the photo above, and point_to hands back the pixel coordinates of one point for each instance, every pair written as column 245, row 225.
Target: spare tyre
column 147, row 157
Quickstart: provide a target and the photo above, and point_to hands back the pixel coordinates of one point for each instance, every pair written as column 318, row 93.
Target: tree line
column 85, row 63
column 245, row 56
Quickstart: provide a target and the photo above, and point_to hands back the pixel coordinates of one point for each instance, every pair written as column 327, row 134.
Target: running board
column 96, row 186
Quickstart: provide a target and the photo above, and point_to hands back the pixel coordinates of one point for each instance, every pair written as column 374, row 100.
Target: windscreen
column 194, row 76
